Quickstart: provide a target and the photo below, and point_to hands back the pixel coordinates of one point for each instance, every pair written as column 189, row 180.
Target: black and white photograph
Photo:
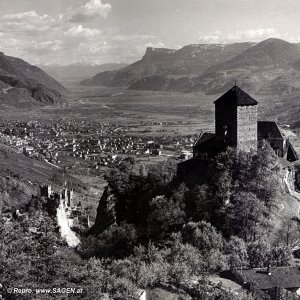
column 150, row 149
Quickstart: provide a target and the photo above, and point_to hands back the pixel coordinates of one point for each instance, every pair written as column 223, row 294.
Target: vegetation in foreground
column 166, row 233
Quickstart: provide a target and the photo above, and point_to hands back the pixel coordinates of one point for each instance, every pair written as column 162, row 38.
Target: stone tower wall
column 226, row 123
column 247, row 127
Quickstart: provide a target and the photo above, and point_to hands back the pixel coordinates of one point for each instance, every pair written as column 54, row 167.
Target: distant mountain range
column 191, row 59
column 22, row 84
column 78, row 71
column 211, row 68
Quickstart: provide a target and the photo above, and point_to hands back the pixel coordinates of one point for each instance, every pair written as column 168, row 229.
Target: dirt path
column 65, row 230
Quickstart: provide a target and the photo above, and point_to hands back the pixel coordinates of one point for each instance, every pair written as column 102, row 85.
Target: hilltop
column 23, row 85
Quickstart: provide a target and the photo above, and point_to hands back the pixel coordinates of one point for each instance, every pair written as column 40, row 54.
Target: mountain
column 79, row 71
column 22, row 84
column 191, row 59
column 271, row 52
column 267, row 67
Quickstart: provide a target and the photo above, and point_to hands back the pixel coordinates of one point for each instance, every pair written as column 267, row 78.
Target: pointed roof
column 237, row 96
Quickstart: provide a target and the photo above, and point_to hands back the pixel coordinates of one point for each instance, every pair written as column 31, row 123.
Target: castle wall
column 247, row 127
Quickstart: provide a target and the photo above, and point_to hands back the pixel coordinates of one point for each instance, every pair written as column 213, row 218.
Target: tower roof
column 237, row 96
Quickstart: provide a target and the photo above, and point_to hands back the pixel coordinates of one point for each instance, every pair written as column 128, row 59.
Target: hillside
column 296, row 65
column 191, row 59
column 21, row 177
column 22, row 84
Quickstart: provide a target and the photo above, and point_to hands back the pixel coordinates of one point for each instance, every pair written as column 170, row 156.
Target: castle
column 66, row 196
column 74, row 212
column 236, row 125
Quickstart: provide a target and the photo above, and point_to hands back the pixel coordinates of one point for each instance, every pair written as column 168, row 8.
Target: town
column 93, row 144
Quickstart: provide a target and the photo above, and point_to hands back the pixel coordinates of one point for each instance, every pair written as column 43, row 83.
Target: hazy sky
column 102, row 31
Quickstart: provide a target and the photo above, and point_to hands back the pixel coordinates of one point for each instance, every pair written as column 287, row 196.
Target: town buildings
column 271, row 281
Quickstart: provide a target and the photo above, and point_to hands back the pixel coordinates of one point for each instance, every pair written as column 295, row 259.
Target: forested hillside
column 153, row 231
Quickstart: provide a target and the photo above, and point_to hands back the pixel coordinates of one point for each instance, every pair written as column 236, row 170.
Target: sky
column 105, row 31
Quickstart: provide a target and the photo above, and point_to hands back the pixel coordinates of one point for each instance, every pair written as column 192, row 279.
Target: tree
column 209, row 242
column 165, row 216
column 237, row 251
column 198, row 203
column 289, row 233
column 281, row 256
column 234, row 172
column 203, row 236
column 115, row 241
column 248, row 216
column 265, row 180
column 259, row 254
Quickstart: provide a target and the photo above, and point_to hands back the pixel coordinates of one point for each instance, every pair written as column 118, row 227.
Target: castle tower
column 46, row 191
column 236, row 120
column 64, row 195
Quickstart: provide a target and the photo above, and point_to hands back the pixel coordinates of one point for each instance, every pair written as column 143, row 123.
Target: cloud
column 91, row 10
column 31, row 36
column 27, row 22
column 80, row 31
column 40, row 47
column 252, row 35
column 45, row 39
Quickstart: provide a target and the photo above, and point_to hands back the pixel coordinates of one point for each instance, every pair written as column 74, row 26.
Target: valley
column 130, row 136
column 165, row 117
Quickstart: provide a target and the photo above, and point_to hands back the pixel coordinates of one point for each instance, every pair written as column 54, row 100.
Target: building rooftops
column 284, row 277
column 237, row 96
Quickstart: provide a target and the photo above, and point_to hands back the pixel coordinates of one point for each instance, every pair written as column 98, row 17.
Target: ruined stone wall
column 46, row 191
column 247, row 127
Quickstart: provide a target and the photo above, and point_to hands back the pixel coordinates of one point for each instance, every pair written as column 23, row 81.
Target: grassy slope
column 20, row 177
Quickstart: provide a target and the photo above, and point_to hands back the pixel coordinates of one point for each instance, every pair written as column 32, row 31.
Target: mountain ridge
column 209, row 68
column 190, row 59
column 266, row 53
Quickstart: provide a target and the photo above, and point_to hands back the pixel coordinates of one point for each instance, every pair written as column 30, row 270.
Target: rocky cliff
column 106, row 214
